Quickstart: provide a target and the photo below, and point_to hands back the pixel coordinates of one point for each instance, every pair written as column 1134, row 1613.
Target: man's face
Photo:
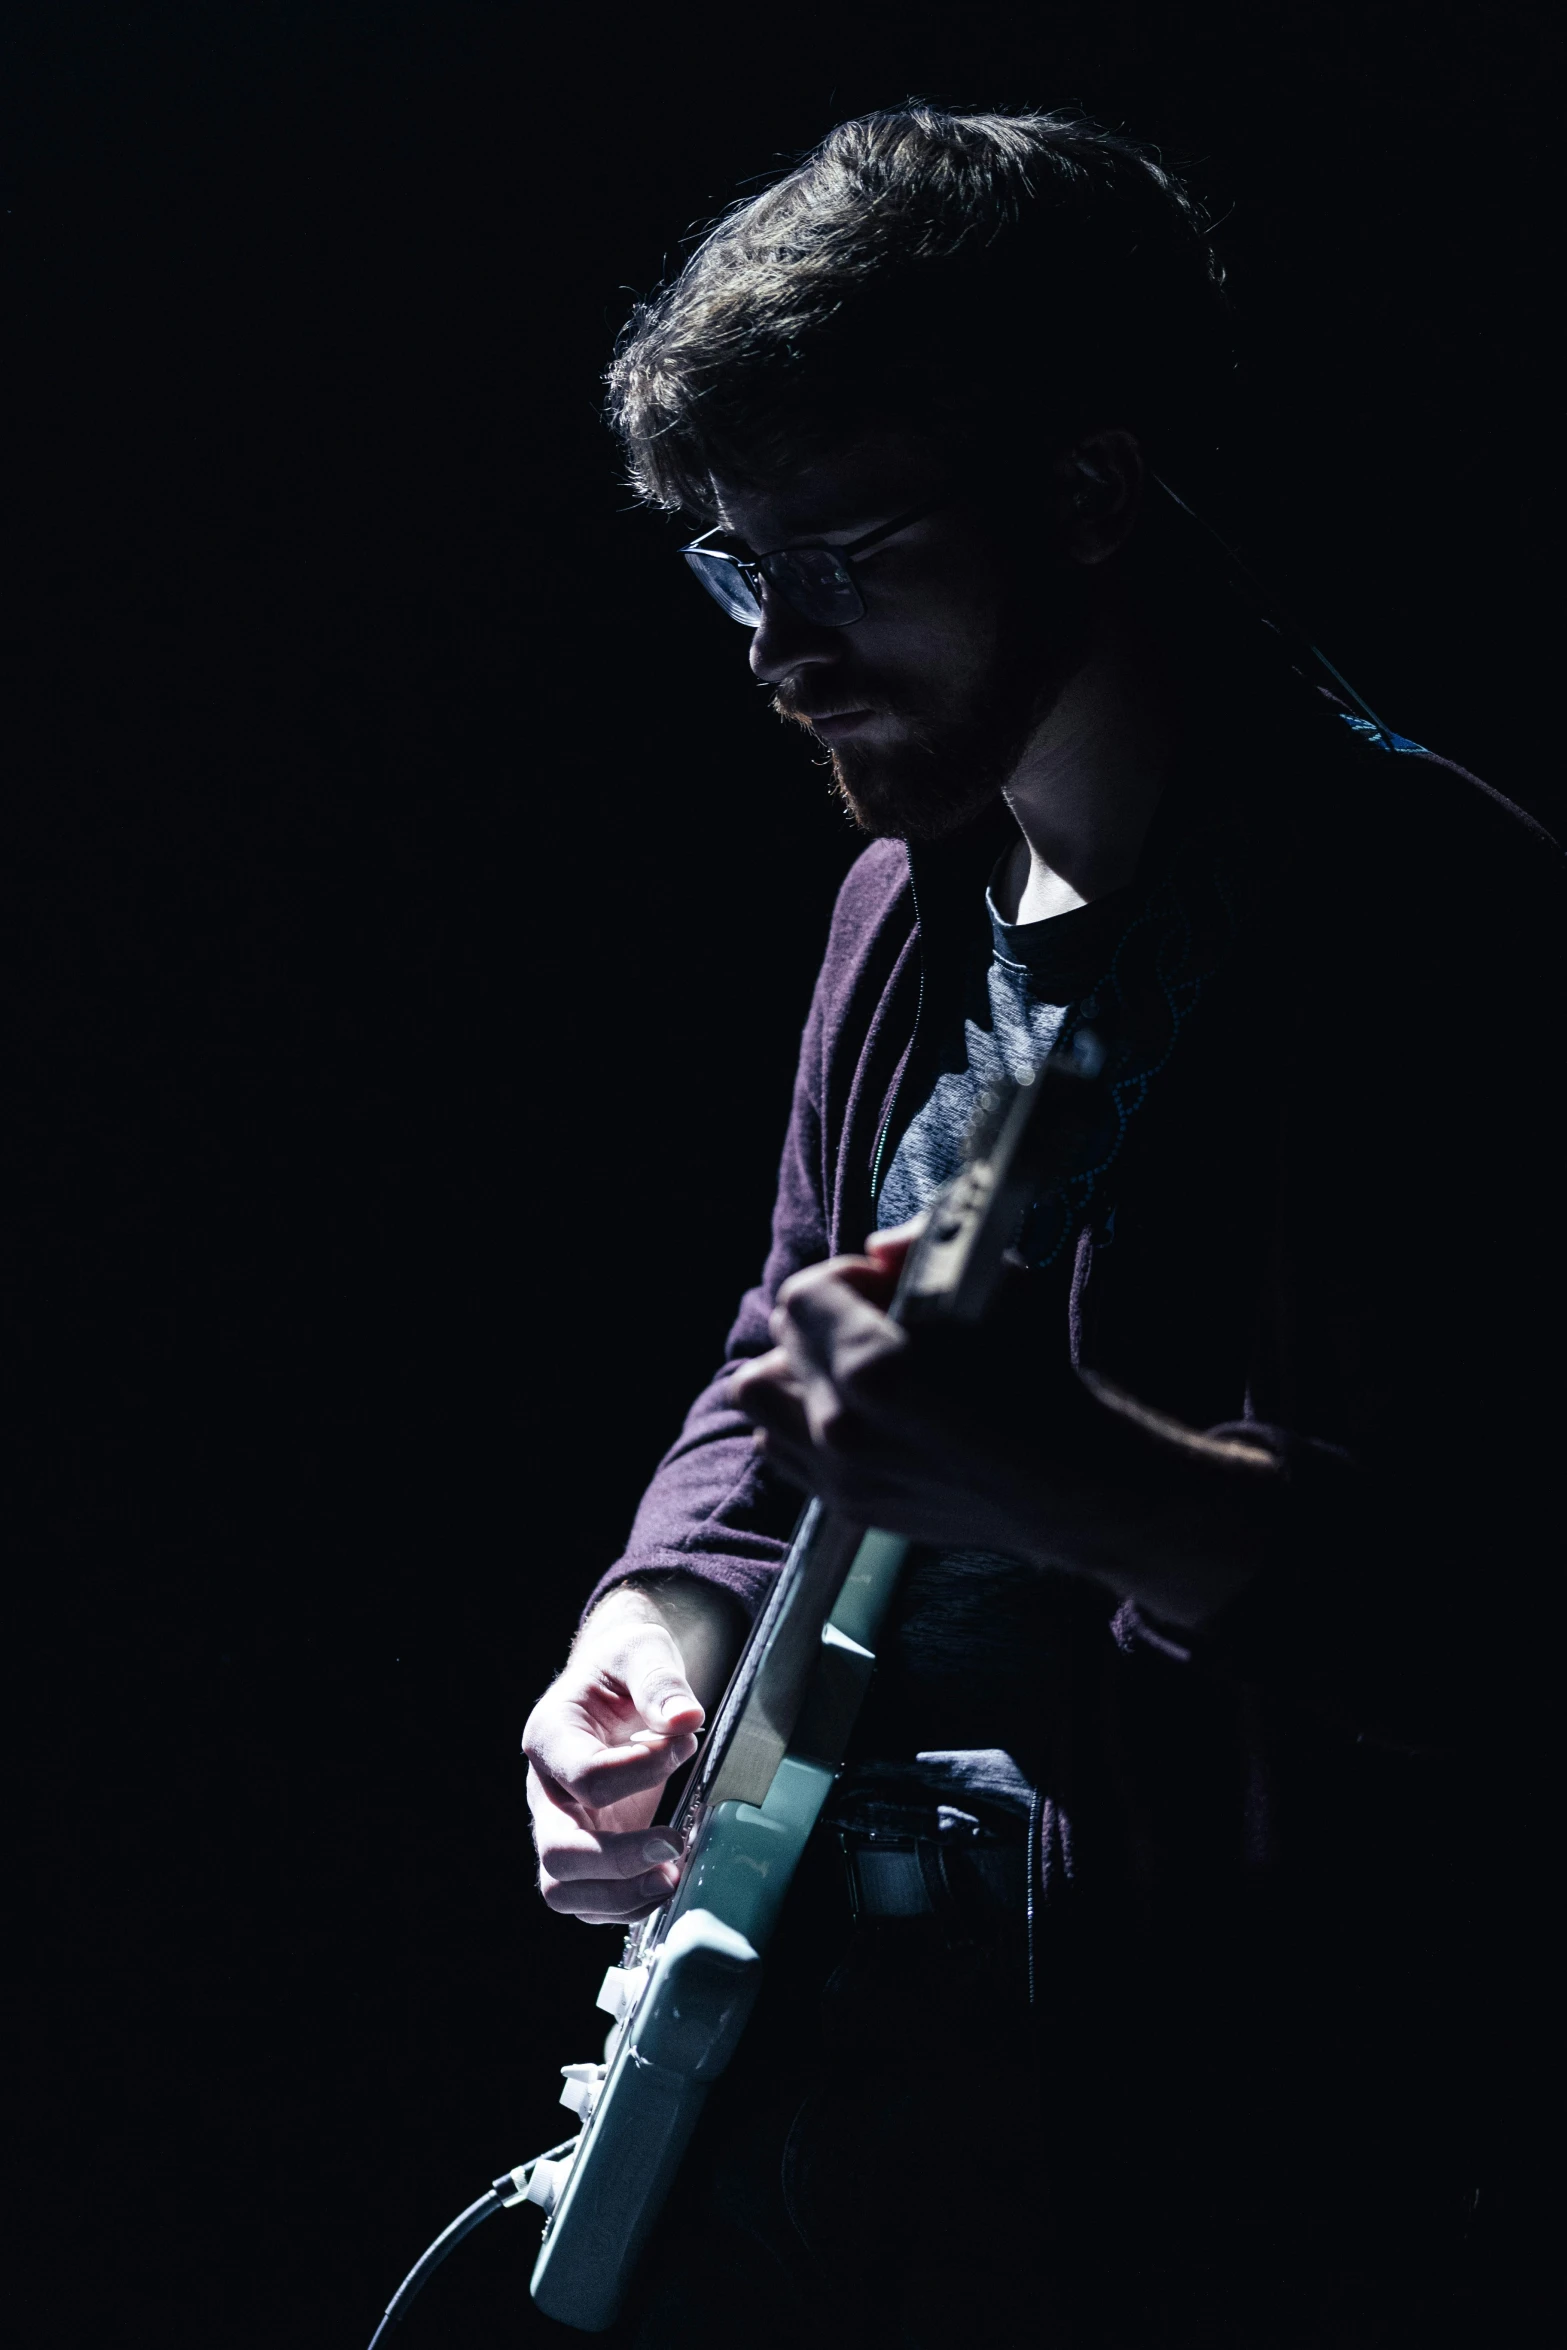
column 925, row 704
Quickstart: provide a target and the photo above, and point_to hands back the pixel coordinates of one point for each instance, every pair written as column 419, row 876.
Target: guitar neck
column 948, row 1275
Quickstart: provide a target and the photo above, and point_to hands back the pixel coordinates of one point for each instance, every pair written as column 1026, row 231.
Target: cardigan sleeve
column 1399, row 1555
column 713, row 1508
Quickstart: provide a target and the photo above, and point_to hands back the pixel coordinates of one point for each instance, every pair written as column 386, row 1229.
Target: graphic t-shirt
column 963, row 1652
column 1013, row 1016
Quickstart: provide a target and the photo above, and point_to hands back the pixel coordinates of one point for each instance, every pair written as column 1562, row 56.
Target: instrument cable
column 1265, row 608
column 511, row 2187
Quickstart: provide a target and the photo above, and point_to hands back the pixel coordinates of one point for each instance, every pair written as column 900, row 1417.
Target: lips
column 829, row 724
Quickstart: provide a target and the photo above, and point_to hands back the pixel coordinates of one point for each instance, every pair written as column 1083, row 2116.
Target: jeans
column 863, row 2174
column 907, row 2152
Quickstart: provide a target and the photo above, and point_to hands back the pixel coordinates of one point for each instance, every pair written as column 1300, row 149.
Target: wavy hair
column 1000, row 281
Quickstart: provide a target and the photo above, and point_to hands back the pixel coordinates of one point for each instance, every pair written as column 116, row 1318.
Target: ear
column 1099, row 485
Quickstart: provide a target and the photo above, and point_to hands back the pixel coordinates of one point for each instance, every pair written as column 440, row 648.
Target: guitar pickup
column 832, row 1698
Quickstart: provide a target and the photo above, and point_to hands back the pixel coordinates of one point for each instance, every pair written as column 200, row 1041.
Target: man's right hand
column 604, row 1738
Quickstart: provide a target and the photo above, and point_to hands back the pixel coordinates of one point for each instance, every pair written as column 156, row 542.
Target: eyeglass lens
column 727, row 584
column 811, row 580
column 816, row 583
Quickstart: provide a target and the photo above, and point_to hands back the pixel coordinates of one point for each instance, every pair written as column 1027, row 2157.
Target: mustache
column 803, row 710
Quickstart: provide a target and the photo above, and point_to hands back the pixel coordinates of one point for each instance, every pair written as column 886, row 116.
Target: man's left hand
column 964, row 1444
column 851, row 1406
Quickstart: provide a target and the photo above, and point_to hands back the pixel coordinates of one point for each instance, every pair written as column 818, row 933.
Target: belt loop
column 933, row 1871
column 851, row 1875
column 1031, row 1878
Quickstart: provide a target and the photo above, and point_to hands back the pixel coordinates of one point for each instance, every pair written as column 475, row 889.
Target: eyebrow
column 866, row 520
column 809, row 533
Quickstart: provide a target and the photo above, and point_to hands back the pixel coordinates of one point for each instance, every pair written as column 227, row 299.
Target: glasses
column 817, row 582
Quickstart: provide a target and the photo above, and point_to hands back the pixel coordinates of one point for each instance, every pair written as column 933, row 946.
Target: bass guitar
column 689, row 1975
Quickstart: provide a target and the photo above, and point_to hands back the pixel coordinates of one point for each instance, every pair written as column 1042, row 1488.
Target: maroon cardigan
column 1337, row 1220
column 1295, row 1872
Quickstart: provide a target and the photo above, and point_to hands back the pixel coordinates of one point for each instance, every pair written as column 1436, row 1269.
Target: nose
column 783, row 642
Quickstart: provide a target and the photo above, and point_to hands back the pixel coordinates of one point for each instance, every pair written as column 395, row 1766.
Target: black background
column 409, row 911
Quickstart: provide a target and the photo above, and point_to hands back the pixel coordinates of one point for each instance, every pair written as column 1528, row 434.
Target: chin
column 910, row 795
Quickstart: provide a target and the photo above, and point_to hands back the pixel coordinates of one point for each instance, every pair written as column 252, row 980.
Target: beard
column 938, row 779
column 958, row 752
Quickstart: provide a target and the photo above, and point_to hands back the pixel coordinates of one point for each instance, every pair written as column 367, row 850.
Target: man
column 1211, row 1708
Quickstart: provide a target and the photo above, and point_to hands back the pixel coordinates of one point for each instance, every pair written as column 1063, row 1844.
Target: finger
column 893, row 1245
column 826, row 1326
column 844, row 1352
column 874, row 1377
column 558, row 1818
column 654, row 1674
column 620, row 1705
column 809, row 1416
column 564, row 1748
column 618, row 1771
column 875, row 1277
column 799, row 1463
column 768, row 1370
column 871, row 1277
column 607, row 1902
column 830, row 1315
column 774, row 1401
column 571, row 1853
column 864, row 1485
column 836, row 1277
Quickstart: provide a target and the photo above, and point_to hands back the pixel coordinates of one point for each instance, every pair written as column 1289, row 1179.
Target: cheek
column 943, row 653
column 954, row 619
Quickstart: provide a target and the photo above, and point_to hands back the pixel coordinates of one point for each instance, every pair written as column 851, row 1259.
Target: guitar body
column 692, row 1969
column 682, row 2006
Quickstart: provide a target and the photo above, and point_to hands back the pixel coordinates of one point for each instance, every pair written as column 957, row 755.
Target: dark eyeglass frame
column 826, row 593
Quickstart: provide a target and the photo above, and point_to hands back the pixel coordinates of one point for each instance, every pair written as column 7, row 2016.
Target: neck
column 1089, row 778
